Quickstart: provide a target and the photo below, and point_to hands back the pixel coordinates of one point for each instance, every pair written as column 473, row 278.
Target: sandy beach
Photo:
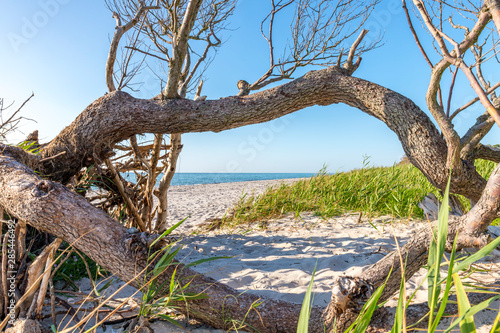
column 278, row 261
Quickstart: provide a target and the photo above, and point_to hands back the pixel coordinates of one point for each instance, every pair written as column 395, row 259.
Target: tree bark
column 494, row 8
column 51, row 207
column 469, row 228
column 175, row 150
column 180, row 48
column 117, row 116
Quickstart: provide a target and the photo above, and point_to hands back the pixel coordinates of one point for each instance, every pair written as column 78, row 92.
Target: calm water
column 183, row 178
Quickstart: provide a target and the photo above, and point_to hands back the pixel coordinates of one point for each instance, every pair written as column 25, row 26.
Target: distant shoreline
column 195, row 178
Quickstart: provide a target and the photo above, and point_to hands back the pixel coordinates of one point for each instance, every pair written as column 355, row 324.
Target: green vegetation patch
column 374, row 191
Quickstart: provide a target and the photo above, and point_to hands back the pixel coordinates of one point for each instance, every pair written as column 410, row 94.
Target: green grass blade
column 168, row 232
column 373, row 225
column 165, row 261
column 472, row 311
column 172, row 282
column 305, row 311
column 170, row 320
column 478, row 255
column 400, row 307
column 495, row 328
column 447, row 288
column 467, row 323
column 436, row 251
column 366, row 313
column 106, row 285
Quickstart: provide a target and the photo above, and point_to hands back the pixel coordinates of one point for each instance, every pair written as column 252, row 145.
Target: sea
column 189, row 178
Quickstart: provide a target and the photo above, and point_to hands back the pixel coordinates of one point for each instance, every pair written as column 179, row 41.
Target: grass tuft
column 375, row 191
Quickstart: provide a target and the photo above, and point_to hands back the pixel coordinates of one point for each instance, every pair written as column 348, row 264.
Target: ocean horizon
column 194, row 178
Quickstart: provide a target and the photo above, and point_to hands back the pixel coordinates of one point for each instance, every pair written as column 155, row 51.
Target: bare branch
column 483, row 97
column 197, row 96
column 146, row 53
column 269, row 38
column 452, row 85
column 126, row 74
column 137, row 151
column 180, row 48
column 52, row 157
column 318, row 30
column 449, row 57
column 151, row 181
column 120, row 30
column 494, row 9
column 175, row 150
column 9, row 120
column 417, row 40
column 130, row 205
column 348, row 65
column 201, row 59
column 488, row 153
column 460, row 109
column 438, row 35
column 10, row 125
column 474, row 135
column 339, row 59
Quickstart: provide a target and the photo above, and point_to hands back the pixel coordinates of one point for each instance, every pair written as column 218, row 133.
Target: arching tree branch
column 108, row 120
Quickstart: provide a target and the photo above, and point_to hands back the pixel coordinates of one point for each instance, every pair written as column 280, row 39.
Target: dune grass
column 375, row 191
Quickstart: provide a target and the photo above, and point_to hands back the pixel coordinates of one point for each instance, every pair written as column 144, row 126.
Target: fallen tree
column 51, row 207
column 33, row 185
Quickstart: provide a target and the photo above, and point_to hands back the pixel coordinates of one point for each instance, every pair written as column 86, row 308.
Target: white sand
column 278, row 261
column 206, row 201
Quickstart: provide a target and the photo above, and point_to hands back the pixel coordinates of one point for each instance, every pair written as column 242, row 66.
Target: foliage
column 29, row 146
column 375, row 191
column 156, row 296
column 75, row 267
column 305, row 311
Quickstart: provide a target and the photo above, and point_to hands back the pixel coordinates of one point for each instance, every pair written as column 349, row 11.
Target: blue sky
column 58, row 48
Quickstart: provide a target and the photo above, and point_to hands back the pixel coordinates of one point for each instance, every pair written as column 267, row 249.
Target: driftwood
column 46, row 204
column 49, row 206
column 430, row 205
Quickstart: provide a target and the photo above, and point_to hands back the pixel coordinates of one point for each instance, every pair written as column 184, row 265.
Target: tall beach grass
column 375, row 191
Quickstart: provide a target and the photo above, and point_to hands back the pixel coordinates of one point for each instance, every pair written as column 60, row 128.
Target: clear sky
column 58, row 49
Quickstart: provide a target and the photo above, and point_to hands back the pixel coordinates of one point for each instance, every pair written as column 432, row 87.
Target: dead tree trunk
column 50, row 207
column 108, row 120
